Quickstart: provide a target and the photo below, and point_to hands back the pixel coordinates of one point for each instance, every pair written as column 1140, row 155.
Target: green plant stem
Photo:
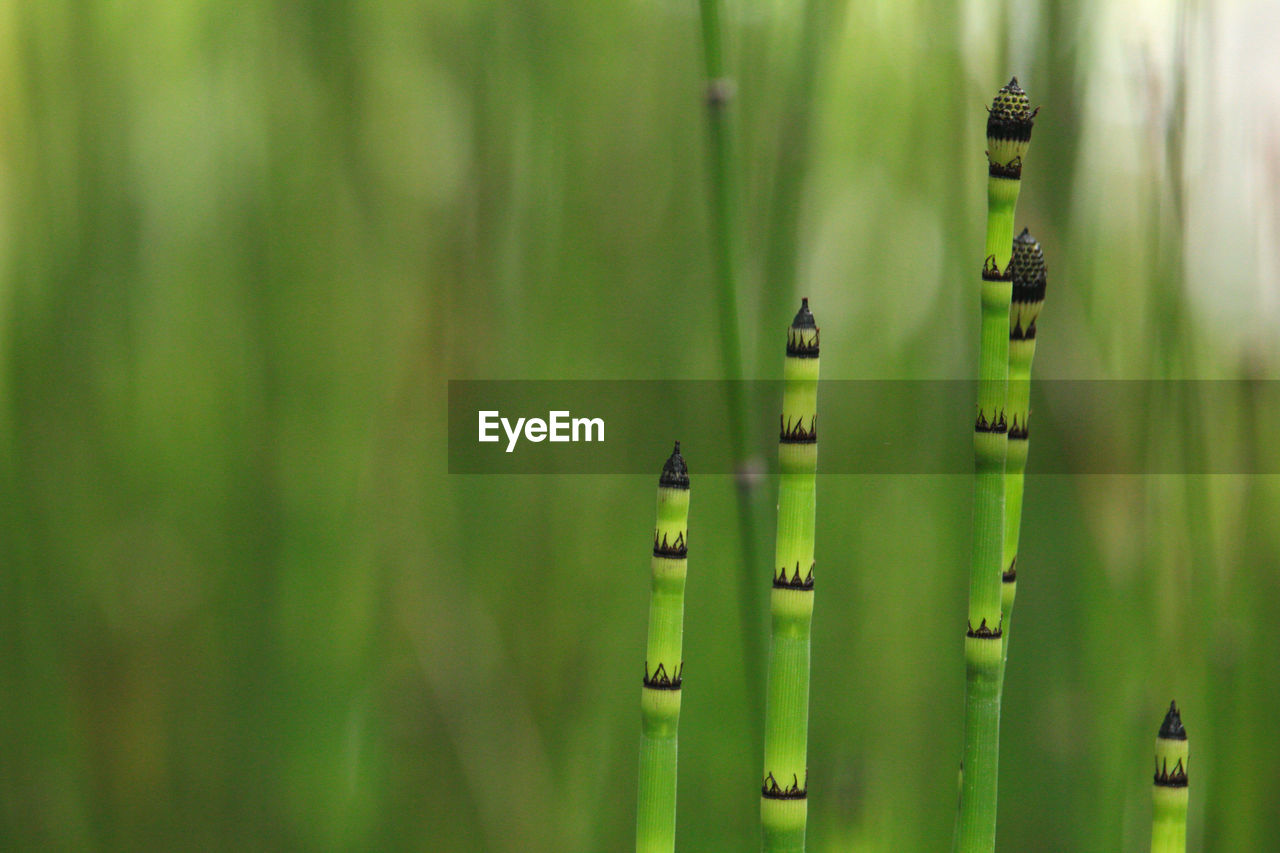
column 1170, row 793
column 723, row 180
column 821, row 24
column 1029, row 279
column 1008, row 132
column 664, row 664
column 784, row 793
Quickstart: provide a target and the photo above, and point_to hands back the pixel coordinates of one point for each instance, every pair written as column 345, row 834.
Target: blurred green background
column 244, row 606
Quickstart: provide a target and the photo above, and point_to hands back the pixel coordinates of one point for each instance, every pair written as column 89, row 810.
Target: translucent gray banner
column 865, row 426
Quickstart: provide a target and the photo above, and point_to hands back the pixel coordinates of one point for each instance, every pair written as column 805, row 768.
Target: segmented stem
column 723, row 185
column 1008, row 135
column 1029, row 279
column 1169, row 795
column 664, row 663
column 784, row 793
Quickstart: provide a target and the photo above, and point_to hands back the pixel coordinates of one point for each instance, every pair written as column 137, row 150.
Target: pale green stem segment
column 664, row 664
column 1014, row 483
column 983, row 644
column 1029, row 278
column 1170, row 793
column 1008, row 133
column 784, row 793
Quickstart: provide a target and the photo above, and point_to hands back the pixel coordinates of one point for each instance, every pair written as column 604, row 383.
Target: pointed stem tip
column 675, row 474
column 804, row 318
column 1171, row 728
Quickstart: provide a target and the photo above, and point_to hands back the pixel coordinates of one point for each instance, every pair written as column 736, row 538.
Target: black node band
column 660, row 680
column 1011, row 170
column 677, row 550
column 781, row 581
column 983, row 632
column 996, row 425
column 771, row 790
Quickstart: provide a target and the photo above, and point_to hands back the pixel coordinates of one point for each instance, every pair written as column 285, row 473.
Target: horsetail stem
column 723, row 183
column 664, row 663
column 1169, row 812
column 783, row 795
column 1029, row 282
column 1009, row 125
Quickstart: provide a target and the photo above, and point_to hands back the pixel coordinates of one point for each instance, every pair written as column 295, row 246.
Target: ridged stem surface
column 983, row 644
column 1020, row 355
column 1029, row 283
column 1008, row 132
column 664, row 666
column 784, row 791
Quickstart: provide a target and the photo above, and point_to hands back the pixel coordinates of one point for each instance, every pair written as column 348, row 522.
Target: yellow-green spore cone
column 1029, row 280
column 784, row 792
column 1170, row 792
column 664, row 663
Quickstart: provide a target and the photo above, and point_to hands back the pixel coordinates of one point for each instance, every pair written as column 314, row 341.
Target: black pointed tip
column 1171, row 728
column 675, row 474
column 804, row 318
column 1013, row 83
column 1025, row 237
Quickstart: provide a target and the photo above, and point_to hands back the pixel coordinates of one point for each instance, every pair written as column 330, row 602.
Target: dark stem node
column 795, row 433
column 676, row 550
column 781, row 581
column 1011, row 170
column 1166, row 777
column 660, row 680
column 1017, row 333
column 720, row 92
column 982, row 632
column 802, row 343
column 771, row 790
column 996, row 424
column 991, row 271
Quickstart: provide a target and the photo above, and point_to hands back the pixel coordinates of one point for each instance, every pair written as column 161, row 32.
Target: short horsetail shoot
column 1009, row 125
column 664, row 663
column 783, row 803
column 1169, row 796
column 1029, row 281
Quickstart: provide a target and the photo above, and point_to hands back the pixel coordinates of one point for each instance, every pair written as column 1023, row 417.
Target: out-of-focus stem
column 724, row 195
